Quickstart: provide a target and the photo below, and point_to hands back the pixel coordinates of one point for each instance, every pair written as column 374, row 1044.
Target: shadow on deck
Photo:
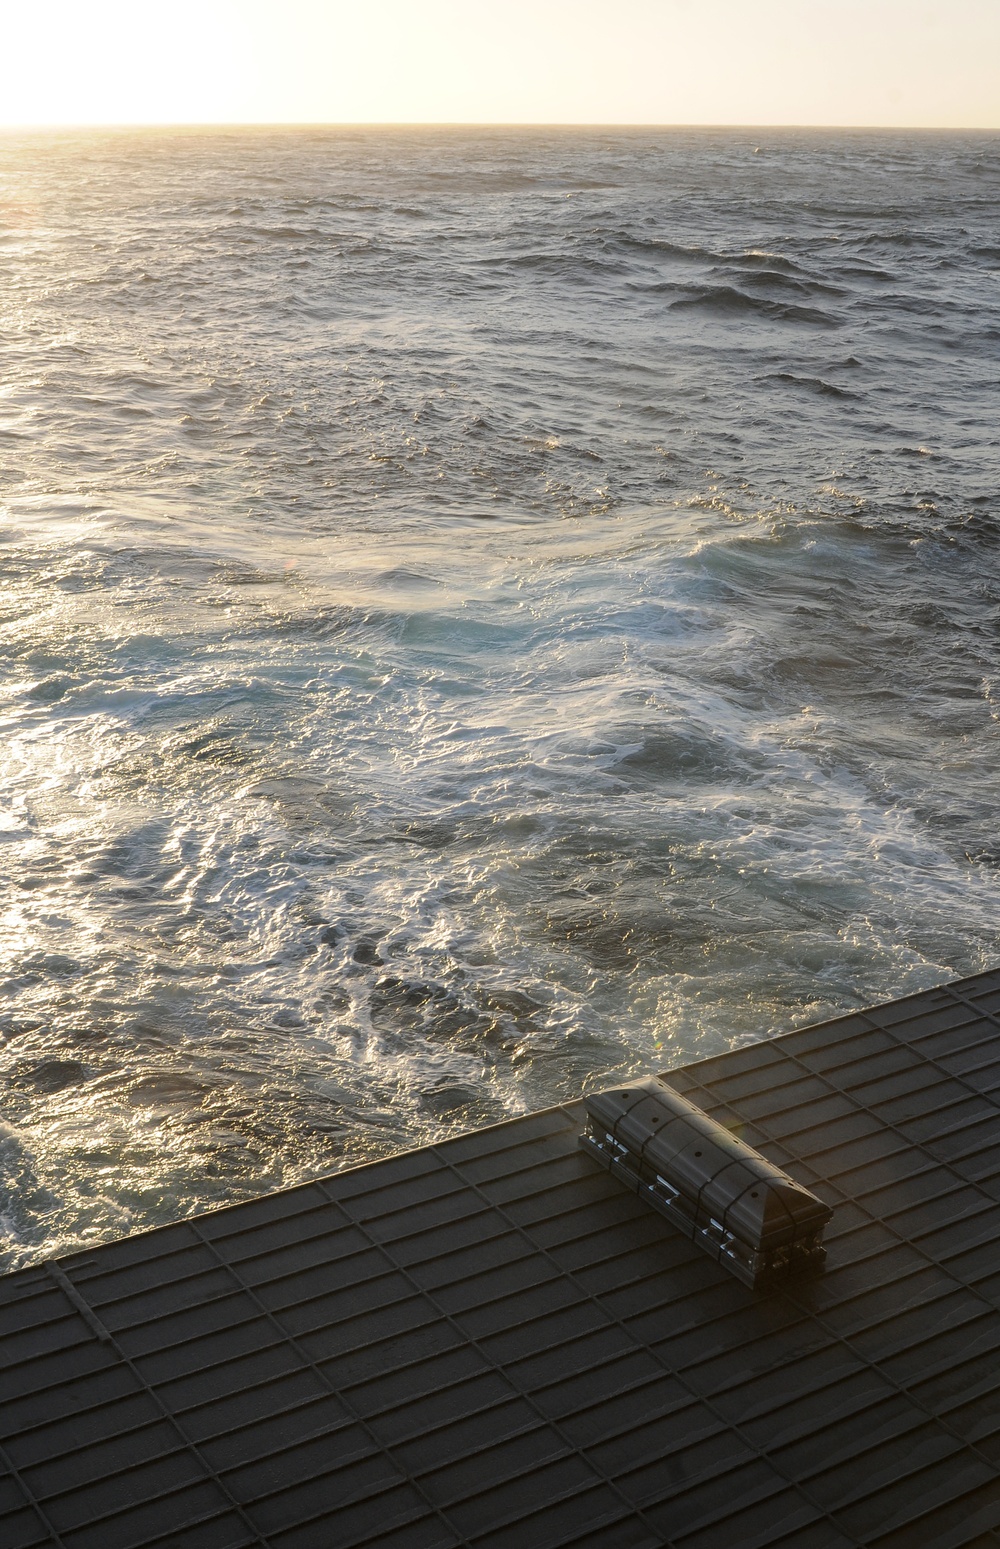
column 491, row 1342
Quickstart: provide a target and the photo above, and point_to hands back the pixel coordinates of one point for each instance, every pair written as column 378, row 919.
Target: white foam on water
column 452, row 647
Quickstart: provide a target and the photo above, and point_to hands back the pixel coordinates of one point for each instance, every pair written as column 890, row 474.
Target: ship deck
column 491, row 1342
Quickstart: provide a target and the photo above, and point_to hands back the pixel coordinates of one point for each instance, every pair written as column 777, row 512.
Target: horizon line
column 568, row 124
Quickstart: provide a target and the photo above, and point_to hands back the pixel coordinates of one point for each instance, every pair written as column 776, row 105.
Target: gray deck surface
column 492, row 1342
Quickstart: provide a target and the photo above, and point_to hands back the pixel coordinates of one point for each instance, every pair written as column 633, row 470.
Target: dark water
column 480, row 610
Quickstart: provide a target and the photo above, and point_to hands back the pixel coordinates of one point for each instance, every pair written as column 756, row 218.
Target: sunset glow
column 834, row 62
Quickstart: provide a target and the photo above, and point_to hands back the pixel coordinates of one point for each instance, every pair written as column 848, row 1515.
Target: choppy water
column 480, row 610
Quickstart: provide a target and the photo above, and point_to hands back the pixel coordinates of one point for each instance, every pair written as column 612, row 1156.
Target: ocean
column 483, row 612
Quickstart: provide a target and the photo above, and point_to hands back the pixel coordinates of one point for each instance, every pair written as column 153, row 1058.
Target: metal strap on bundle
column 725, row 1196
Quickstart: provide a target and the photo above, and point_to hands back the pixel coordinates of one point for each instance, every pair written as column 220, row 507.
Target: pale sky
column 850, row 62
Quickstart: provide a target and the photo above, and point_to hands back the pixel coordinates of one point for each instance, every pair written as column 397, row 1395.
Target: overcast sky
column 877, row 62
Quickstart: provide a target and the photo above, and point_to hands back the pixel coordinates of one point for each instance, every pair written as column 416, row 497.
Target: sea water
column 482, row 611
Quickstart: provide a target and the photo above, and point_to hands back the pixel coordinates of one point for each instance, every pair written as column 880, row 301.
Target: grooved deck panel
column 491, row 1342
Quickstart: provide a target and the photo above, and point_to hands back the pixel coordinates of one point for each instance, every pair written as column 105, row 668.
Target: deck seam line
column 516, row 1390
column 844, row 1195
column 32, row 1503
column 932, row 1059
column 940, row 1206
column 956, row 995
column 777, row 1040
column 95, row 1323
column 873, row 1364
column 837, row 1338
column 885, row 1222
column 589, row 1296
column 760, row 1122
column 306, row 1359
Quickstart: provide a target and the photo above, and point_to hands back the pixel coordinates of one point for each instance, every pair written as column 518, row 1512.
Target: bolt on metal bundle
column 735, row 1204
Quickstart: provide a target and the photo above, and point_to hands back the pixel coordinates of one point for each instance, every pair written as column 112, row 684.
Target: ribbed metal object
column 735, row 1204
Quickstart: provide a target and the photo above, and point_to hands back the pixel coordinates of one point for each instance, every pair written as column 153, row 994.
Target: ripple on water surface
column 480, row 612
